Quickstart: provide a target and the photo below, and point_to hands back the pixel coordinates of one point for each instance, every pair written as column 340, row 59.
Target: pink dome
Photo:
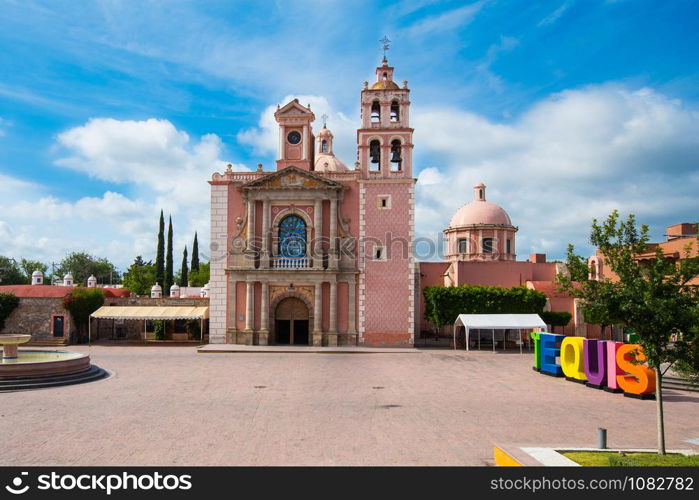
column 480, row 211
column 325, row 132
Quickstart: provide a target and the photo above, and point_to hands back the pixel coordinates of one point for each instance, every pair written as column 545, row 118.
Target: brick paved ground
column 170, row 405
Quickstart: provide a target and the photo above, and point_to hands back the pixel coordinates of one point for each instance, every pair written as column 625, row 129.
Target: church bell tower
column 385, row 140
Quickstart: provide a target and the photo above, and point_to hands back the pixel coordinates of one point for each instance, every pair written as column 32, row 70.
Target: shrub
column 8, row 303
column 556, row 318
column 159, row 329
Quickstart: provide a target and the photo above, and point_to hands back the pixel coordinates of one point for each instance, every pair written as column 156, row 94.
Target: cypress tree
column 160, row 253
column 184, row 278
column 168, row 262
column 195, row 254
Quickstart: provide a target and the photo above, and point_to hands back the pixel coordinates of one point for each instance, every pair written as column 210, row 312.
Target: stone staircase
column 679, row 384
column 47, row 342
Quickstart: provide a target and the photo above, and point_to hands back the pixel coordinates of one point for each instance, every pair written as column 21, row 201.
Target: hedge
column 444, row 304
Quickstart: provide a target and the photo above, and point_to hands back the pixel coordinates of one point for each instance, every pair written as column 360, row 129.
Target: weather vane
column 386, row 45
column 325, row 120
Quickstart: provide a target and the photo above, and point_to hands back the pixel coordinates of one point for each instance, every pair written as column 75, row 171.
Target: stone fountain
column 9, row 343
column 38, row 368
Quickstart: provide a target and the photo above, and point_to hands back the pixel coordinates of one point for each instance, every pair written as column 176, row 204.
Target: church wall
column 218, row 282
column 504, row 273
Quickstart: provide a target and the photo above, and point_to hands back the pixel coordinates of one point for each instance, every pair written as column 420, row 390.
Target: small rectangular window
column 509, row 246
column 463, row 245
column 383, row 202
column 379, row 253
column 487, row 245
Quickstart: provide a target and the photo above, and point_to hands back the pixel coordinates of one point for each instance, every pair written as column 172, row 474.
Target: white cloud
column 556, row 14
column 569, row 158
column 264, row 138
column 446, row 21
column 162, row 167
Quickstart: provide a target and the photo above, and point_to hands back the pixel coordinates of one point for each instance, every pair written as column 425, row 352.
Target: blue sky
column 110, row 110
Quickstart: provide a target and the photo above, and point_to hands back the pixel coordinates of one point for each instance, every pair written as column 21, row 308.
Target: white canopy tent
column 497, row 322
column 150, row 313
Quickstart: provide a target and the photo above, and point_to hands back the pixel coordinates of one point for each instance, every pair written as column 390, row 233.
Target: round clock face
column 294, row 137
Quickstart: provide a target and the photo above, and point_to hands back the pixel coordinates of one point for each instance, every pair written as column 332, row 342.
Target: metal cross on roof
column 325, row 120
column 386, row 45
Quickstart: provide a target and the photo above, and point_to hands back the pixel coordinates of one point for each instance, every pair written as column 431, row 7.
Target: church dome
column 325, row 132
column 326, row 161
column 385, row 85
column 480, row 211
column 329, row 163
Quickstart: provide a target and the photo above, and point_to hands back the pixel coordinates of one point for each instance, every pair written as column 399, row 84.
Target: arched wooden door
column 291, row 322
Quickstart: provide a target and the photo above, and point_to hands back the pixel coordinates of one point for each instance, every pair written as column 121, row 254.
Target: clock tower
column 295, row 135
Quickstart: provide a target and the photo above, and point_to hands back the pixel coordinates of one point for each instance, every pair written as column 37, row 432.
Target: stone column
column 263, row 335
column 332, row 330
column 351, row 320
column 333, row 257
column 282, row 138
column 264, row 262
column 318, row 315
column 385, row 160
column 249, row 312
column 318, row 234
column 250, row 251
column 232, row 337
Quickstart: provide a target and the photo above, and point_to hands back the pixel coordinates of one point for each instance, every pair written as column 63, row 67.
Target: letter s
column 640, row 378
column 184, row 482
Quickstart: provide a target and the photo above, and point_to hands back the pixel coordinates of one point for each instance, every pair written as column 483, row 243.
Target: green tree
column 200, row 277
column 599, row 298
column 82, row 302
column 577, row 265
column 160, row 253
column 168, row 262
column 654, row 299
column 184, row 273
column 10, row 272
column 556, row 318
column 29, row 266
column 81, row 265
column 8, row 303
column 195, row 254
column 140, row 276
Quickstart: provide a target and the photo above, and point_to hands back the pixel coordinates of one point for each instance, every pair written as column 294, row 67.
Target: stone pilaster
column 232, row 331
column 263, row 335
column 318, row 234
column 333, row 257
column 264, row 258
column 317, row 335
column 249, row 312
column 332, row 329
column 351, row 313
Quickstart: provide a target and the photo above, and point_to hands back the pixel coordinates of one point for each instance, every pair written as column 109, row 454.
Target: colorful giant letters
column 614, row 366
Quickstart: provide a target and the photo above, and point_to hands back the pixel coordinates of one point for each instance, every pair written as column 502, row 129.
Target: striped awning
column 142, row 312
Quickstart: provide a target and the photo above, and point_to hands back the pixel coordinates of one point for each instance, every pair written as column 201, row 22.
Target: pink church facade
column 317, row 253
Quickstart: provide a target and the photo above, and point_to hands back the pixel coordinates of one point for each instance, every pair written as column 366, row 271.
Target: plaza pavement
column 173, row 406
